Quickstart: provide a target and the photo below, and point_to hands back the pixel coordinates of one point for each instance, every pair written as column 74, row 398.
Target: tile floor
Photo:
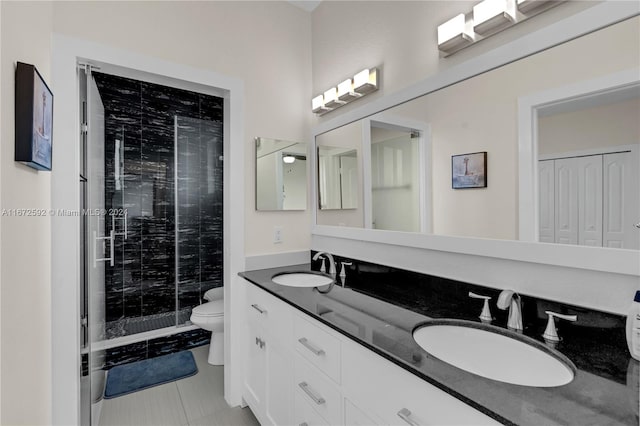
column 197, row 400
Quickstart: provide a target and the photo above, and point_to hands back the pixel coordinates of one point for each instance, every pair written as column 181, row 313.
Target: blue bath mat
column 128, row 378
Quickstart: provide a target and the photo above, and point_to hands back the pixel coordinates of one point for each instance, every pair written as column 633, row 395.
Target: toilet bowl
column 210, row 316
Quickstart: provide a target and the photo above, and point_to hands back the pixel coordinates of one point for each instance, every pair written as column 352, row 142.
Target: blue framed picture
column 469, row 170
column 34, row 118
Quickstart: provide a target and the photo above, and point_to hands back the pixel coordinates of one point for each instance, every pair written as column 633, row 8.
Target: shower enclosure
column 163, row 198
column 152, row 193
column 169, row 220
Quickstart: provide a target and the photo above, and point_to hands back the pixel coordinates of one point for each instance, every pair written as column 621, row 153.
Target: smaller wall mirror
column 337, row 178
column 281, row 175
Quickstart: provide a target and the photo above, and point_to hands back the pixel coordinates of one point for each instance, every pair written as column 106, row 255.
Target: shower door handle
column 111, row 239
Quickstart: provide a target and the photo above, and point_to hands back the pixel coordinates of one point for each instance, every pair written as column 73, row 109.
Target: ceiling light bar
column 364, row 82
column 493, row 15
column 485, row 19
column 527, row 6
column 454, row 34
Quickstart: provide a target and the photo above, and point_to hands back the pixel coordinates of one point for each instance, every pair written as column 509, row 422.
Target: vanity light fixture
column 493, row 15
column 453, row 34
column 331, row 99
column 485, row 19
column 526, row 6
column 346, row 92
column 288, row 158
column 364, row 82
column 317, row 105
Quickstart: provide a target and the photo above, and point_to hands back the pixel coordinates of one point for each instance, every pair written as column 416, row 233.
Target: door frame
column 528, row 107
column 65, row 264
column 394, row 122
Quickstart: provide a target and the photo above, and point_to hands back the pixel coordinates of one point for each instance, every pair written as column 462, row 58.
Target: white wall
column 598, row 127
column 264, row 43
column 1, row 120
column 25, row 247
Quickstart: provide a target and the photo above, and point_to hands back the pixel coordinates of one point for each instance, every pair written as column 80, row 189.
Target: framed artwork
column 469, row 170
column 34, row 118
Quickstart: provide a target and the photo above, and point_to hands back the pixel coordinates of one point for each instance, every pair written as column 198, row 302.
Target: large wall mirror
column 281, row 174
column 585, row 201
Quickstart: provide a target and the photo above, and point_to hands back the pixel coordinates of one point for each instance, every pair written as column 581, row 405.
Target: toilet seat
column 209, row 309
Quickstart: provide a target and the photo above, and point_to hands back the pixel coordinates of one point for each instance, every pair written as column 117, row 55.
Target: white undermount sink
column 494, row 353
column 302, row 279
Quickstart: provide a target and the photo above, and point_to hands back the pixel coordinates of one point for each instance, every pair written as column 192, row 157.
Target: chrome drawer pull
column 317, row 399
column 304, row 342
column 405, row 415
column 304, row 424
column 259, row 309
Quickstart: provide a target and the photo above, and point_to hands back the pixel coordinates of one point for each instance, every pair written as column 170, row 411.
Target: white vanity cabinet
column 268, row 381
column 300, row 372
column 381, row 389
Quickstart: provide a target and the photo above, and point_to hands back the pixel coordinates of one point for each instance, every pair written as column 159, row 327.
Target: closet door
column 621, row 209
column 566, row 200
column 590, row 200
column 546, row 204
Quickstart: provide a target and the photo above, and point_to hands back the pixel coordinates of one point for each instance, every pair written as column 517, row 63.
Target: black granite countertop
column 603, row 392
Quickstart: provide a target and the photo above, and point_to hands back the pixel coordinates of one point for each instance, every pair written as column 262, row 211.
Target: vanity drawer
column 398, row 397
column 304, row 414
column 270, row 313
column 317, row 346
column 318, row 391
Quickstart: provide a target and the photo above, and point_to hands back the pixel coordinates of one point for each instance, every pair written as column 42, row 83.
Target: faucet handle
column 322, row 267
column 485, row 316
column 343, row 272
column 550, row 333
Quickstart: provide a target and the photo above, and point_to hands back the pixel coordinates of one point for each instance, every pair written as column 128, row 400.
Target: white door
column 279, row 384
column 566, row 201
column 255, row 366
column 546, row 204
column 621, row 201
column 590, row 200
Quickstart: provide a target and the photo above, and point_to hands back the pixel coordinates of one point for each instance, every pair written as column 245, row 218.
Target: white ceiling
column 308, row 5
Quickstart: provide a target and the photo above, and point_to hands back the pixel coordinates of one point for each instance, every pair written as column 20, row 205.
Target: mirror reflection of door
column 395, row 186
column 281, row 175
column 589, row 188
column 337, row 178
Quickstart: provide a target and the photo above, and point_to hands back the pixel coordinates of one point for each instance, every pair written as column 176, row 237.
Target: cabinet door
column 590, row 200
column 620, row 200
column 566, row 201
column 255, row 366
column 279, row 376
column 354, row 416
column 546, row 202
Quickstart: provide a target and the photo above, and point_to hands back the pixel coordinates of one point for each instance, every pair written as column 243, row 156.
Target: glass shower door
column 97, row 247
column 198, row 206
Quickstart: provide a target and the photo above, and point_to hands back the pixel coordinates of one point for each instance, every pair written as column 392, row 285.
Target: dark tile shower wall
column 142, row 280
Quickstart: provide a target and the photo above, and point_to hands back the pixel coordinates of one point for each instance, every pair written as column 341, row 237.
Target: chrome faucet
column 511, row 299
column 332, row 262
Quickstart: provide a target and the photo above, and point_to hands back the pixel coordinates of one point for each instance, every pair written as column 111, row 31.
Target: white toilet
column 210, row 316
